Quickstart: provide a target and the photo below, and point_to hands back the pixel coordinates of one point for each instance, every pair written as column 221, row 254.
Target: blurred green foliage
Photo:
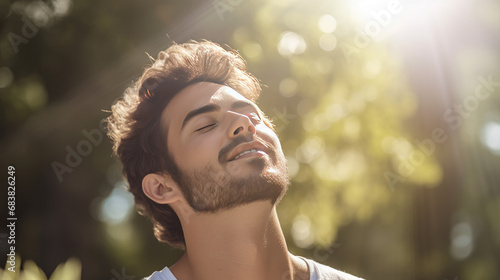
column 70, row 270
column 345, row 111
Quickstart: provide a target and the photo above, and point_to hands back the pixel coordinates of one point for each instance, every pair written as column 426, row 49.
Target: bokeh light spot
column 252, row 51
column 490, row 136
column 117, row 206
column 291, row 43
column 302, row 232
column 327, row 42
column 461, row 241
column 288, row 87
column 35, row 95
column 310, row 149
column 327, row 23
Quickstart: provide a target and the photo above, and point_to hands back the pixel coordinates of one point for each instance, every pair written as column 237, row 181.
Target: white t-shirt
column 317, row 271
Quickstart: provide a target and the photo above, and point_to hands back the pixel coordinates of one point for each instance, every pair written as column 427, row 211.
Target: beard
column 210, row 189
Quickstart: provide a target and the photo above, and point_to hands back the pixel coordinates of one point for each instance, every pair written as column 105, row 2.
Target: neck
column 245, row 242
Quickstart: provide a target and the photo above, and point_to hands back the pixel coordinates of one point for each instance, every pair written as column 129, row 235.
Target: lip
column 247, row 146
column 253, row 153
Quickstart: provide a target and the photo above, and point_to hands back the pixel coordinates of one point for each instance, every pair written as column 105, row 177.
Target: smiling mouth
column 255, row 151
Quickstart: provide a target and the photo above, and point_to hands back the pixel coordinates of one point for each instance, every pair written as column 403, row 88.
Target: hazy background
column 388, row 113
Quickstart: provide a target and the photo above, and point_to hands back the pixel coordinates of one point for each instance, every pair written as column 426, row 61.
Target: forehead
column 196, row 96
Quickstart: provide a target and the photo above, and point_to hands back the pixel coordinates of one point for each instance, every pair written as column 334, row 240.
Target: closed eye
column 206, row 128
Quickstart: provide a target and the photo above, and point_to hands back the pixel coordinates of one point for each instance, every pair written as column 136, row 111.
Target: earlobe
column 160, row 188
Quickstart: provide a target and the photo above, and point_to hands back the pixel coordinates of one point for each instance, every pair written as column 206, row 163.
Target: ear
column 161, row 188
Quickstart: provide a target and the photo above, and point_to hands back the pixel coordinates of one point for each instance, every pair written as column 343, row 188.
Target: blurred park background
column 388, row 113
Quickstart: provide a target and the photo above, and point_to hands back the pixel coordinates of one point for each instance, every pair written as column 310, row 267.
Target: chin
column 244, row 181
column 248, row 166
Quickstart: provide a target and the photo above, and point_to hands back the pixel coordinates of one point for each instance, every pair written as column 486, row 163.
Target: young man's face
column 226, row 154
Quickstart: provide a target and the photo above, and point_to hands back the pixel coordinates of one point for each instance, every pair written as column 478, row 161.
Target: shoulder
column 164, row 274
column 322, row 272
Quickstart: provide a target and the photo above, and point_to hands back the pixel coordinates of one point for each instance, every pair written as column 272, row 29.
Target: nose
column 240, row 125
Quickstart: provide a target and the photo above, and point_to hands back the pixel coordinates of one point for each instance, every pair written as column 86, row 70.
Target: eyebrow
column 214, row 107
column 242, row 104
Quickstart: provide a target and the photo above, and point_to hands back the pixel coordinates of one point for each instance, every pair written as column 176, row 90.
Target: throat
column 245, row 240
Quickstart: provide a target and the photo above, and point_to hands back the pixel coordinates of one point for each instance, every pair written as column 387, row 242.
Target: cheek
column 199, row 151
column 269, row 135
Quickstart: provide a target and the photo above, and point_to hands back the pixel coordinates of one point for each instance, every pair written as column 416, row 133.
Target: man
column 205, row 165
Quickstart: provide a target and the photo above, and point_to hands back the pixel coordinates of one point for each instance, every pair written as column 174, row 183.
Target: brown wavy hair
column 134, row 125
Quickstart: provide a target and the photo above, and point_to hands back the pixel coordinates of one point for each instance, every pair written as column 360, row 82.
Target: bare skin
column 242, row 242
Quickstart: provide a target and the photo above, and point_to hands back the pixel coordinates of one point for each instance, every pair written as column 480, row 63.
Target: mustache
column 223, row 153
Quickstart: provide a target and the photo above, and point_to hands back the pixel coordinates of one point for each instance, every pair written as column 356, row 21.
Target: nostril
column 237, row 130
